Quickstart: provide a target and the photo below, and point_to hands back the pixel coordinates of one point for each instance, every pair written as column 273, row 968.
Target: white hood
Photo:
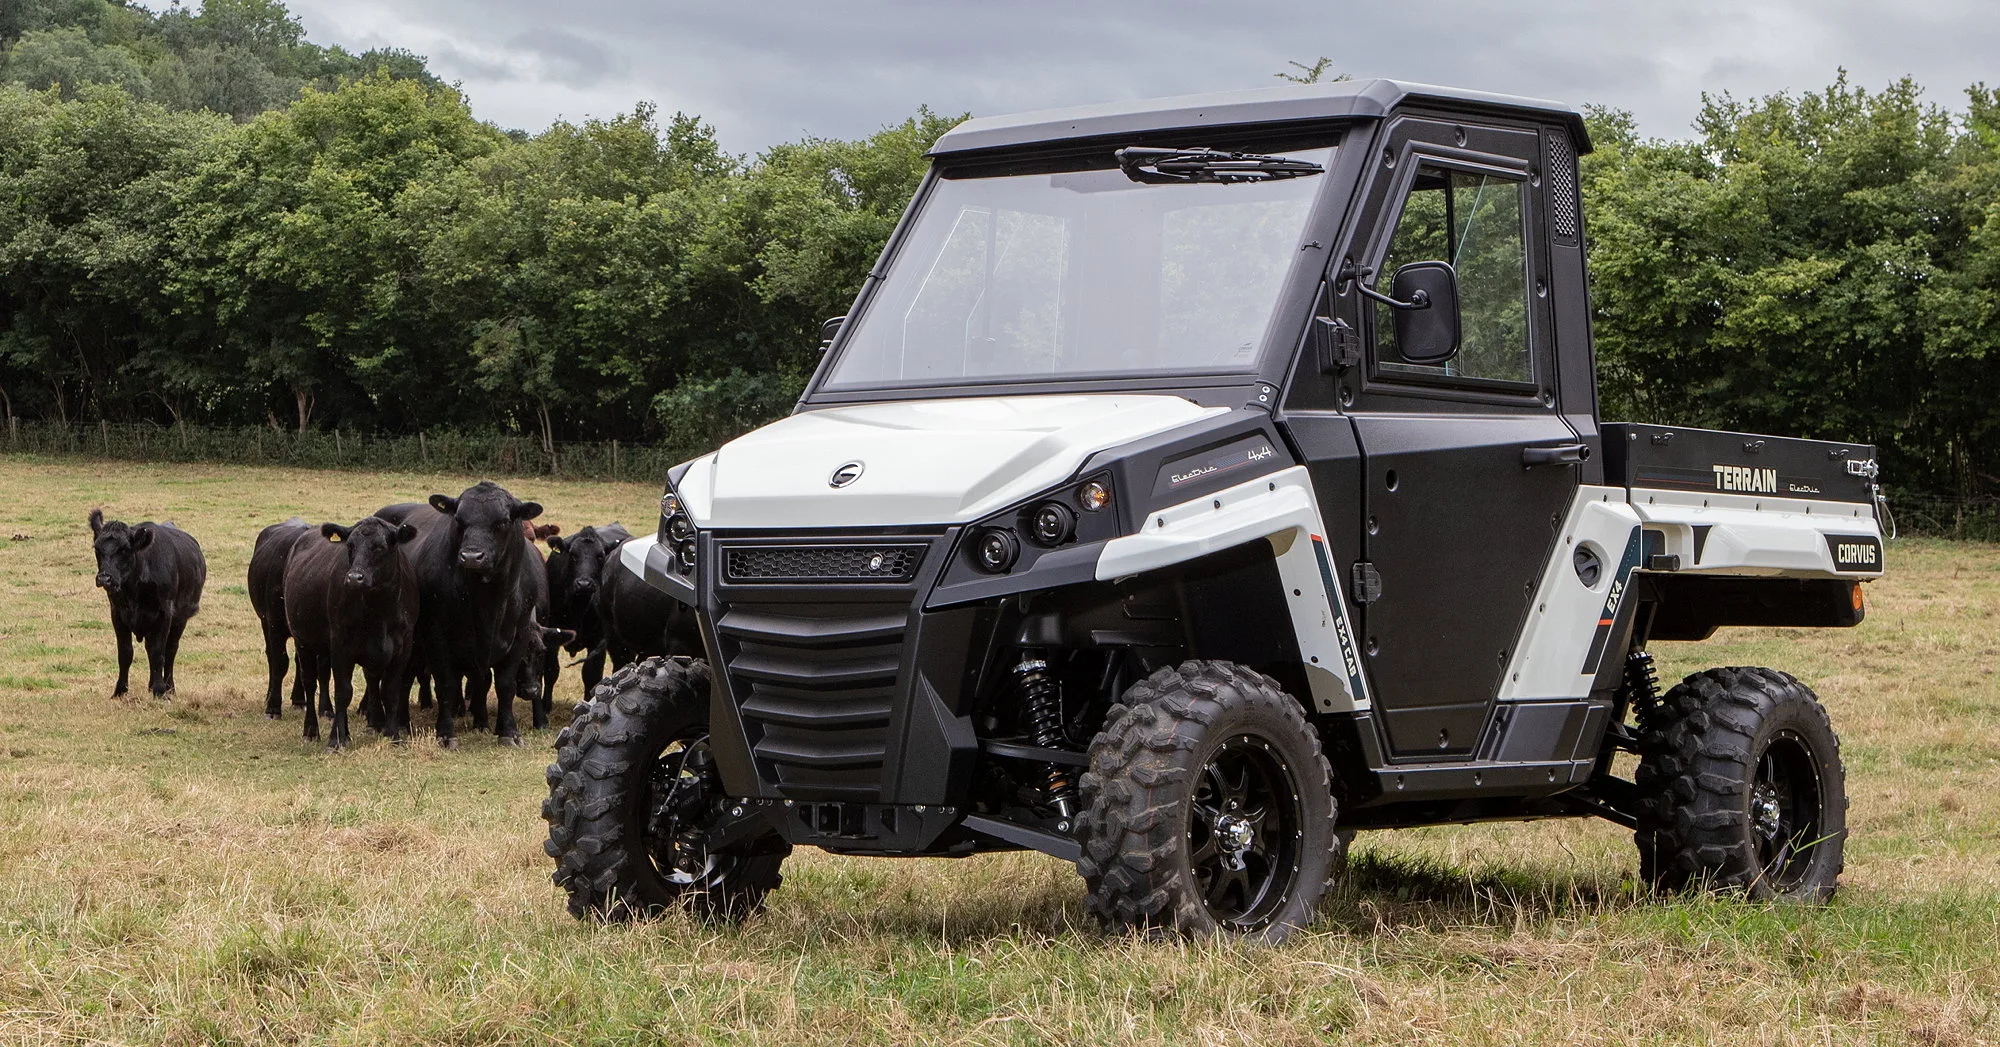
column 922, row 461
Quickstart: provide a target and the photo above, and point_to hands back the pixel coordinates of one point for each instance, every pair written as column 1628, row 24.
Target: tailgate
column 1673, row 458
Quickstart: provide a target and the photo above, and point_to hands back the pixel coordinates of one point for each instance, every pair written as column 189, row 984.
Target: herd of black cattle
column 452, row 596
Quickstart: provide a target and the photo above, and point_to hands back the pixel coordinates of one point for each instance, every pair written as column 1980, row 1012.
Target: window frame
column 1381, row 379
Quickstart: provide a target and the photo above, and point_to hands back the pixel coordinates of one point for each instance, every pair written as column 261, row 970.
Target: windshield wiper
column 1155, row 165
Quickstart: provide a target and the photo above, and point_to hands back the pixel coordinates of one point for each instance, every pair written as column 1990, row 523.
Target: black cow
column 267, row 598
column 538, row 640
column 470, row 555
column 154, row 574
column 575, row 565
column 640, row 621
column 351, row 599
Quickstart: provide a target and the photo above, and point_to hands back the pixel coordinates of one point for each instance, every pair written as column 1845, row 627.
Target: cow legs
column 504, row 682
column 423, row 690
column 551, row 669
column 277, row 662
column 156, row 662
column 371, row 701
column 124, row 658
column 343, row 693
column 173, row 651
column 313, row 665
column 593, row 670
column 395, row 697
column 447, row 682
column 476, row 684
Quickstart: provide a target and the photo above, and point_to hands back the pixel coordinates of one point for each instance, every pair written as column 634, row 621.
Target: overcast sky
column 767, row 71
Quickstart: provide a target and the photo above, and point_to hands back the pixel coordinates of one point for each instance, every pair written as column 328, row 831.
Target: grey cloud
column 773, row 70
column 567, row 58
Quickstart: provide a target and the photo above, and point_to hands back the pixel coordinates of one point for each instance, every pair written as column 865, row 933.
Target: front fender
column 644, row 557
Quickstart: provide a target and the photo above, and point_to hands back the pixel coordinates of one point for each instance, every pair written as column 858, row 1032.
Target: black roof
column 1349, row 99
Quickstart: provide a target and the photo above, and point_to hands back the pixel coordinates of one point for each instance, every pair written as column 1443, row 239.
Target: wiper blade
column 1155, row 165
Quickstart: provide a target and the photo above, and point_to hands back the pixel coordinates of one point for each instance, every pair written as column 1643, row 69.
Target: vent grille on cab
column 1562, row 188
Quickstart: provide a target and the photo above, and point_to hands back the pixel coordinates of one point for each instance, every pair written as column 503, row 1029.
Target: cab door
column 1465, row 465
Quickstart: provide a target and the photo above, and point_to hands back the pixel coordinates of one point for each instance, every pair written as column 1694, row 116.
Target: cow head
column 485, row 526
column 587, row 551
column 371, row 550
column 117, row 547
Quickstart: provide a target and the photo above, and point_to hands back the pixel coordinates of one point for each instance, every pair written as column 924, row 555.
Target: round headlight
column 685, row 552
column 1093, row 495
column 996, row 550
column 1052, row 524
column 679, row 528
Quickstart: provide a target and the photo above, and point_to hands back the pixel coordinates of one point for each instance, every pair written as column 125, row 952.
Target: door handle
column 1561, row 454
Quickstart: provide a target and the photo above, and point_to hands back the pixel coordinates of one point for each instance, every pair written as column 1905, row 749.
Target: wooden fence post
column 423, row 451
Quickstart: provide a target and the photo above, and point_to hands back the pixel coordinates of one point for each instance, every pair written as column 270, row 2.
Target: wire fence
column 471, row 453
column 497, row 454
column 1965, row 519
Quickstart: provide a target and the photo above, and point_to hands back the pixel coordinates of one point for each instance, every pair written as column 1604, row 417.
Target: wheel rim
column 1784, row 810
column 1243, row 833
column 679, row 802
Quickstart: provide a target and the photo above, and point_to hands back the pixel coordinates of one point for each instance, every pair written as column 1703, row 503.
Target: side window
column 1475, row 222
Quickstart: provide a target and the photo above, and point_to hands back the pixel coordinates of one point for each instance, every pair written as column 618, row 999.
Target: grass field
column 189, row 872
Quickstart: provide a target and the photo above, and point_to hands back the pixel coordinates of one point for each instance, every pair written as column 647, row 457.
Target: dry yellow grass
column 189, row 872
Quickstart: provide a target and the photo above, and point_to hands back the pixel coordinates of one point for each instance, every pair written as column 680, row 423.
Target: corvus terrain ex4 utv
column 1192, row 484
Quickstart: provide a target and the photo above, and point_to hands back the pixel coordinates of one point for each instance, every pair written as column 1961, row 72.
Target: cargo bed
column 1675, row 458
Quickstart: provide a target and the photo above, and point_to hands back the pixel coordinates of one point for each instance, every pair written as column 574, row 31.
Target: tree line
column 347, row 247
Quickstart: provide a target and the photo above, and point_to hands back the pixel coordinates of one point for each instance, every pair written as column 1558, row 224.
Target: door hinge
column 1338, row 344
column 1367, row 582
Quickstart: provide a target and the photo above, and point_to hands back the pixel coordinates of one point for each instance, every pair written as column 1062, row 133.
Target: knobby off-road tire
column 632, row 784
column 1741, row 788
column 1208, row 808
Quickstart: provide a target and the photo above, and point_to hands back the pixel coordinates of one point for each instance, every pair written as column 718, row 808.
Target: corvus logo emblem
column 845, row 474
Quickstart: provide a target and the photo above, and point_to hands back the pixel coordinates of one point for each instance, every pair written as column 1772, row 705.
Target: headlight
column 996, row 550
column 677, row 532
column 1051, row 524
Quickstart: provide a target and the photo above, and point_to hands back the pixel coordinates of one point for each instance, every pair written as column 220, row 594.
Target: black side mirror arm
column 1359, row 278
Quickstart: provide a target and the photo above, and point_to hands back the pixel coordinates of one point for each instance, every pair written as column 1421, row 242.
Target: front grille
column 816, row 684
column 822, row 563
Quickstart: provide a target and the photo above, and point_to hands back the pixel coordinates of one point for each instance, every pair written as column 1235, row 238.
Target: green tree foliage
column 1816, row 264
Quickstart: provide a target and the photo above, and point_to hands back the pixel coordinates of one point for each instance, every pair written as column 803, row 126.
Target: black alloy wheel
column 1243, row 833
column 1784, row 810
column 633, row 797
column 1208, row 808
column 682, row 792
column 1740, row 788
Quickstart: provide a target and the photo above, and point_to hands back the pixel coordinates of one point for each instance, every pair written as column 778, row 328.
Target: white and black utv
column 1193, row 483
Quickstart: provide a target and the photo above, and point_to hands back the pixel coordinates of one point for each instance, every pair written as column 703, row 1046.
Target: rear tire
column 632, row 788
column 1208, row 808
column 1741, row 788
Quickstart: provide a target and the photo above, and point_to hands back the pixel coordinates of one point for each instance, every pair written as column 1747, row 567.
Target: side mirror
column 1427, row 327
column 828, row 330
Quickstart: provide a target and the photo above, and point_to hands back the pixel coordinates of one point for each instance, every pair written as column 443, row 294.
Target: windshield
column 1080, row 274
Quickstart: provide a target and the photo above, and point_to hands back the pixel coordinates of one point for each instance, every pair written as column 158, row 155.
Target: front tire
column 633, row 790
column 1208, row 808
column 1741, row 788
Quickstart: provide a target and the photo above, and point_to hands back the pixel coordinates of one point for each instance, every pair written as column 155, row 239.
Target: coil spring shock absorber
column 1041, row 710
column 1641, row 688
